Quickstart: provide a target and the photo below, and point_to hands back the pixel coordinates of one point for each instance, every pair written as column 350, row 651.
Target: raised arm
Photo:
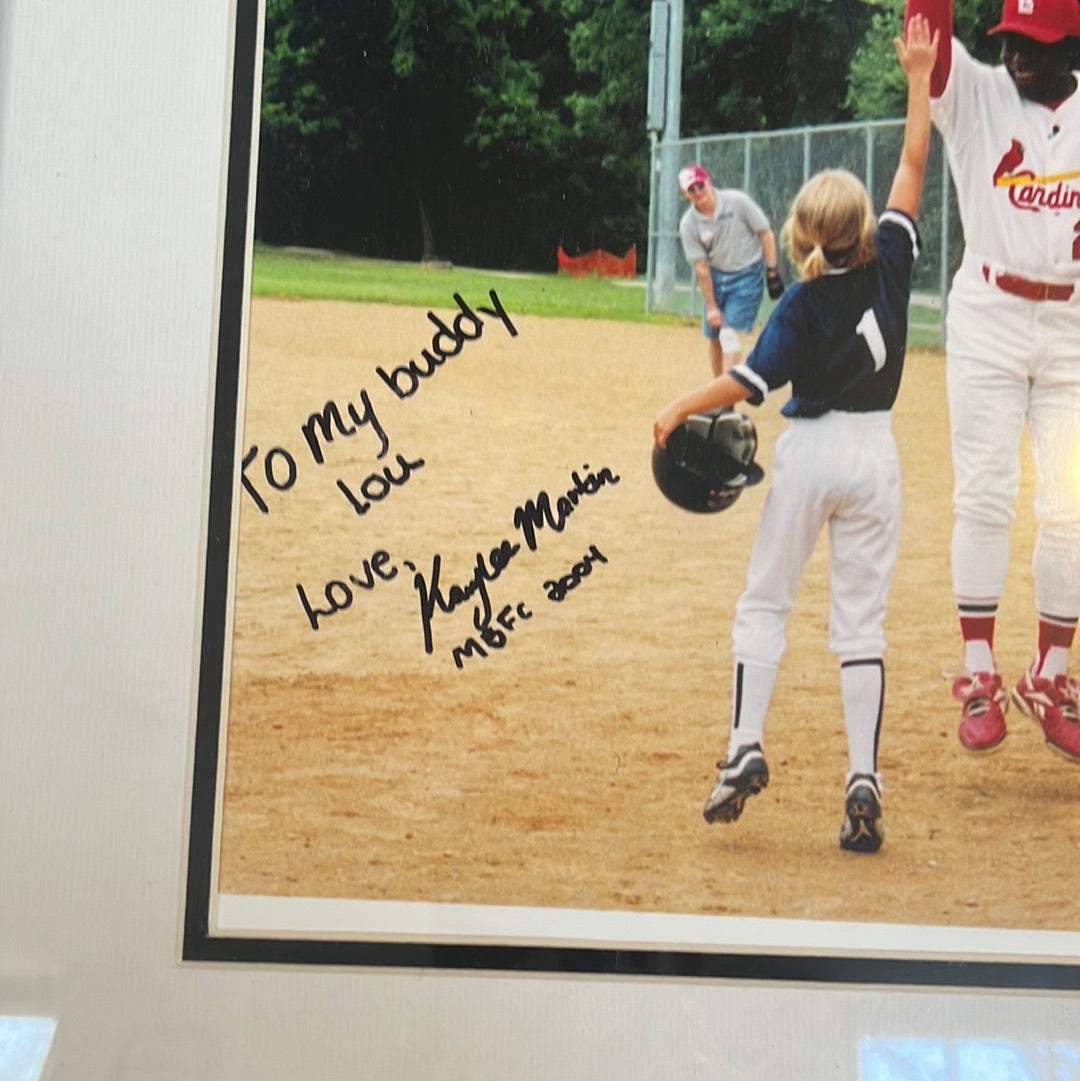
column 916, row 55
column 939, row 14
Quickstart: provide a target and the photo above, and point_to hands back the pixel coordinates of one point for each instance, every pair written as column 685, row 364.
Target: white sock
column 1054, row 663
column 978, row 657
column 750, row 696
column 862, row 687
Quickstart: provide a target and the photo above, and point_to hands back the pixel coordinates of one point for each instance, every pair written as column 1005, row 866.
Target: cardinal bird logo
column 1011, row 160
column 1028, row 191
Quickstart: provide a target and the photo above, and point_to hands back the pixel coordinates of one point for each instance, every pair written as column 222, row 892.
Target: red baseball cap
column 695, row 174
column 1048, row 21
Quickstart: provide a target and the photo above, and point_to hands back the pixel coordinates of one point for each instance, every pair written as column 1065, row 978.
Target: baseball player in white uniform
column 1012, row 135
column 727, row 241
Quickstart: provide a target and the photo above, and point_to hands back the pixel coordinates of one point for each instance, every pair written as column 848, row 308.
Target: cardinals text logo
column 1028, row 191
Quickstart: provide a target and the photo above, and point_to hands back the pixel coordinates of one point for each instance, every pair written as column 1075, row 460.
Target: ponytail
column 831, row 224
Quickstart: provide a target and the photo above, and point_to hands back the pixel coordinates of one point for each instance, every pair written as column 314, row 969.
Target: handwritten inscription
column 438, row 596
column 492, row 637
column 538, row 513
column 433, row 599
column 320, row 428
column 558, row 588
column 530, row 516
column 375, row 487
column 339, row 594
column 336, row 421
column 271, row 470
column 278, row 470
column 446, row 343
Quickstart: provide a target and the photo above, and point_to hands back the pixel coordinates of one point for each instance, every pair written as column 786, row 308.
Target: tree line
column 488, row 132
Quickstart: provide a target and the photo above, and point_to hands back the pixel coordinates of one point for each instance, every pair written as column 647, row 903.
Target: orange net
column 601, row 263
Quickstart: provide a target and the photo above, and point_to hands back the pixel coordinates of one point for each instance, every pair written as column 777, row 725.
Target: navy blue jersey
column 839, row 340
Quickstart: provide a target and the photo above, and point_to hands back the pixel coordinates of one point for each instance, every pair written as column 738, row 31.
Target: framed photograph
column 465, row 673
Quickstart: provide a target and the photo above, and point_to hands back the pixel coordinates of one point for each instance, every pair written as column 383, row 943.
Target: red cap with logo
column 692, row 174
column 1048, row 21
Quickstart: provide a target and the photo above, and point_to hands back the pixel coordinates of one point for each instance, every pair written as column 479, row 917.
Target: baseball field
column 476, row 658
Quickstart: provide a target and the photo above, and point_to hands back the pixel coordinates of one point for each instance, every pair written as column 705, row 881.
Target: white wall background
column 111, row 158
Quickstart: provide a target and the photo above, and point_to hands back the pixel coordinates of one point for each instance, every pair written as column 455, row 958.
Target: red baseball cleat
column 982, row 718
column 1052, row 703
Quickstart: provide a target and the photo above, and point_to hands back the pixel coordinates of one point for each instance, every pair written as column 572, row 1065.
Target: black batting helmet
column 708, row 461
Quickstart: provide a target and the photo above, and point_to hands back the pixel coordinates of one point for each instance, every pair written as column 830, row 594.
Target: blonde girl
column 838, row 336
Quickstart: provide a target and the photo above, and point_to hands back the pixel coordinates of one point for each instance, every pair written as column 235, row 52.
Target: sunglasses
column 695, row 188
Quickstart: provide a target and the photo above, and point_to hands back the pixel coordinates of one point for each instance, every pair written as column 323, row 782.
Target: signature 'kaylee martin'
column 529, row 517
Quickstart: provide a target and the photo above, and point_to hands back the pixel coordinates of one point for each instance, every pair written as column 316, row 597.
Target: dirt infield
column 568, row 766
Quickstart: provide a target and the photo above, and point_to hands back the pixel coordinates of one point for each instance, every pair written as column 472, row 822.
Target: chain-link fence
column 771, row 167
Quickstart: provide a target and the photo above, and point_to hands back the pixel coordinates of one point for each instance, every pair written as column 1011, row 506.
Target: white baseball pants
column 839, row 471
column 1011, row 361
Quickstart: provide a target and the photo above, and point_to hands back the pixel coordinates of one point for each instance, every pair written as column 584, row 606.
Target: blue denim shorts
column 738, row 296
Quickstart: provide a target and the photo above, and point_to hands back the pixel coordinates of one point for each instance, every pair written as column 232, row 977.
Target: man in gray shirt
column 727, row 240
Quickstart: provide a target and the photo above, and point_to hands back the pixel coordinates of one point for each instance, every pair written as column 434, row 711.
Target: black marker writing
column 339, row 594
column 446, row 343
column 491, row 636
column 432, row 598
column 537, row 513
column 320, row 428
column 377, row 486
column 557, row 589
column 272, row 473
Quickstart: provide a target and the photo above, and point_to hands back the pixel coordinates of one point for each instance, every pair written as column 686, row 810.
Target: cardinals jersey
column 1016, row 166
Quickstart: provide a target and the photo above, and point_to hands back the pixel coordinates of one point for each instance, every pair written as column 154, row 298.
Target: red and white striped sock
column 1055, row 641
column 977, row 623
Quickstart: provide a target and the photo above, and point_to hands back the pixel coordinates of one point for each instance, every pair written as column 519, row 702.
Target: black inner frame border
column 199, row 945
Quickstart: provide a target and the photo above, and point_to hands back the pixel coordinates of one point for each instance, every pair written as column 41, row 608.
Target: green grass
column 280, row 272
column 312, row 275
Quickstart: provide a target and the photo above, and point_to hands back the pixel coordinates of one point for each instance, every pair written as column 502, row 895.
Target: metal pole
column 869, row 167
column 673, row 112
column 667, row 174
column 651, row 299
